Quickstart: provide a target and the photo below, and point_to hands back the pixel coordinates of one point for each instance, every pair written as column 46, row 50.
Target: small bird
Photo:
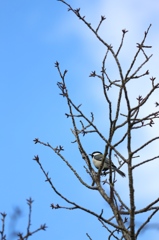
column 97, row 158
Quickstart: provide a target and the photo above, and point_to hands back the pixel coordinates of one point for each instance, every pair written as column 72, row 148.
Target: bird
column 97, row 158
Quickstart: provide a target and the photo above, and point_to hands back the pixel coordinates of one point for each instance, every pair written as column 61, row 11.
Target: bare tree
column 122, row 222
column 13, row 233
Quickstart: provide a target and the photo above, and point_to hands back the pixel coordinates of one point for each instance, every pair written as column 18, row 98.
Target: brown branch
column 2, row 232
column 137, row 70
column 122, row 40
column 145, row 144
column 104, row 87
column 102, row 19
column 77, row 13
column 88, row 236
column 146, row 161
column 29, row 201
column 68, row 164
column 148, row 207
column 110, row 231
column 147, row 221
column 136, row 55
column 73, row 203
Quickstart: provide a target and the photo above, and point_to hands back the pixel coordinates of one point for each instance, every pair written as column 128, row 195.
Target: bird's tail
column 120, row 172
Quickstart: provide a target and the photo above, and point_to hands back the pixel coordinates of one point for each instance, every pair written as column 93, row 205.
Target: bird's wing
column 107, row 161
column 98, row 157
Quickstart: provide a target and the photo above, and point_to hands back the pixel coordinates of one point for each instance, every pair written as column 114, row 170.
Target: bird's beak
column 90, row 155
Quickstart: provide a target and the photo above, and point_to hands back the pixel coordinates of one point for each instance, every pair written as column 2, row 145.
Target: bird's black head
column 95, row 153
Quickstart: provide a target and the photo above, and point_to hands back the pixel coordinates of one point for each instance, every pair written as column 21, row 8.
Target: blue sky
column 35, row 34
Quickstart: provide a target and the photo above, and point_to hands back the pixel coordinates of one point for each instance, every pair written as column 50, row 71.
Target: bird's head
column 93, row 154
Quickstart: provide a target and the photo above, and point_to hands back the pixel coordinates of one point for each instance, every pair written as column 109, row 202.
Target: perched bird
column 97, row 158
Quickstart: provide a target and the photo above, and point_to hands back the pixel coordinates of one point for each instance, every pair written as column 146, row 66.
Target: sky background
column 34, row 35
